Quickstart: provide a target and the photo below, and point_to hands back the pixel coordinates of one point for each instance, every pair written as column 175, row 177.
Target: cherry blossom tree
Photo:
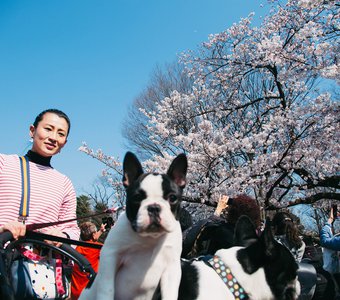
column 164, row 80
column 108, row 190
column 262, row 116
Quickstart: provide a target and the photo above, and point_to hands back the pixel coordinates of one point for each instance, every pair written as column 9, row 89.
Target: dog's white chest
column 138, row 273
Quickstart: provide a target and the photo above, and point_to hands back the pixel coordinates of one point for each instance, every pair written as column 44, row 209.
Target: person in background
column 52, row 196
column 330, row 244
column 287, row 233
column 90, row 234
column 217, row 232
column 327, row 238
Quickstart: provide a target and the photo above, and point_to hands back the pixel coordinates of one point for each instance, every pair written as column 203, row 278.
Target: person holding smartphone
column 327, row 238
column 108, row 222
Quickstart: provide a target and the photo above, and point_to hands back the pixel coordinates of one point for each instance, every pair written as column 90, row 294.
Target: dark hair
column 53, row 111
column 87, row 229
column 243, row 205
column 284, row 225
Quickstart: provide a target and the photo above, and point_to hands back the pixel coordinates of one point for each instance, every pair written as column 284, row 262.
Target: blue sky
column 91, row 58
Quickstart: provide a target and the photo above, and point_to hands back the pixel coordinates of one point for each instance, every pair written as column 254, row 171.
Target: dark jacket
column 206, row 237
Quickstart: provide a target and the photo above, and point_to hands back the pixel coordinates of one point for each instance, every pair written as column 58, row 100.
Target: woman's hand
column 16, row 228
column 55, row 232
column 221, row 205
column 102, row 228
column 331, row 218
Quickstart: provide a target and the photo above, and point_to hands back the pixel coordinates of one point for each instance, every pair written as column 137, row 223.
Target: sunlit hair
column 58, row 112
column 243, row 205
column 87, row 229
column 284, row 225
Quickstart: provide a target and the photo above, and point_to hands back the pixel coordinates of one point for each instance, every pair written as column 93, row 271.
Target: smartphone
column 335, row 211
column 108, row 221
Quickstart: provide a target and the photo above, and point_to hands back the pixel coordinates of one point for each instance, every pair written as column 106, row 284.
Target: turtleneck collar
column 38, row 159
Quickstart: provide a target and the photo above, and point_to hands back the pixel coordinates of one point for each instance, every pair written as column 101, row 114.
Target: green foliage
column 83, row 206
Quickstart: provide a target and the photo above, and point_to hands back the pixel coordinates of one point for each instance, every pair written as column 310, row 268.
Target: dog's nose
column 154, row 209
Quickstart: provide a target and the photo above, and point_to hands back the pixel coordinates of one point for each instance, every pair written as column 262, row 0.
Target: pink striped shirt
column 52, row 196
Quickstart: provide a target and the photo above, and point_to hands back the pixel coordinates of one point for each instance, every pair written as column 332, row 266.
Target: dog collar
column 228, row 278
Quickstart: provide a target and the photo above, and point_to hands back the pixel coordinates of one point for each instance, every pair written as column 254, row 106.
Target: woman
column 327, row 238
column 52, row 196
column 90, row 234
column 330, row 244
column 287, row 233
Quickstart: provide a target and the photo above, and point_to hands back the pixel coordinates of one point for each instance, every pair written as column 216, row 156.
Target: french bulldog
column 141, row 253
column 257, row 268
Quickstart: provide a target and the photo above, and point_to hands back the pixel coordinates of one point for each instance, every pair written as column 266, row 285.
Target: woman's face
column 50, row 135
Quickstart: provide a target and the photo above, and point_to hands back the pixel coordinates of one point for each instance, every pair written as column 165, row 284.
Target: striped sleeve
column 1, row 162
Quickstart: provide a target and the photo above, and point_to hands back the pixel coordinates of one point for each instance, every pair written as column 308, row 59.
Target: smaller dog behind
column 142, row 251
column 260, row 269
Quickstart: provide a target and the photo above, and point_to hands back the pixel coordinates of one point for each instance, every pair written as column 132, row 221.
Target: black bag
column 36, row 279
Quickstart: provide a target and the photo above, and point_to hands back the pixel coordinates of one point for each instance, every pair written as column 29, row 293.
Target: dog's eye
column 172, row 199
column 139, row 196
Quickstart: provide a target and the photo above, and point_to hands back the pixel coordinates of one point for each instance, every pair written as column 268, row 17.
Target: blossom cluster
column 262, row 114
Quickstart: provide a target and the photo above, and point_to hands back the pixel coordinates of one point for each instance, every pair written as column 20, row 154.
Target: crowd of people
column 50, row 197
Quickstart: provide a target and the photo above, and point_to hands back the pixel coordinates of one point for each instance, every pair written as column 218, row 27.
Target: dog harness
column 228, row 278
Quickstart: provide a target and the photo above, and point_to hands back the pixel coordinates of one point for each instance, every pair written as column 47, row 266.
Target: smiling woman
column 51, row 196
column 49, row 132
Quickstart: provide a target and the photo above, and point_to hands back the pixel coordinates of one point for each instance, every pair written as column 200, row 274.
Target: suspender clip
column 22, row 219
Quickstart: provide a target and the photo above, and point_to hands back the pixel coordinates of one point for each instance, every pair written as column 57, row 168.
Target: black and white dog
column 141, row 253
column 260, row 269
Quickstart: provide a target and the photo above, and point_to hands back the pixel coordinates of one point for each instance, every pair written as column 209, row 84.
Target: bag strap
column 25, row 189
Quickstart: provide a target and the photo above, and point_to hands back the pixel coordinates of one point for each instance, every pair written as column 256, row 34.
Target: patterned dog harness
column 228, row 278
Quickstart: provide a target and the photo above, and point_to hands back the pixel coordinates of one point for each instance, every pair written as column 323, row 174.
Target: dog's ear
column 178, row 170
column 244, row 233
column 132, row 169
column 268, row 240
